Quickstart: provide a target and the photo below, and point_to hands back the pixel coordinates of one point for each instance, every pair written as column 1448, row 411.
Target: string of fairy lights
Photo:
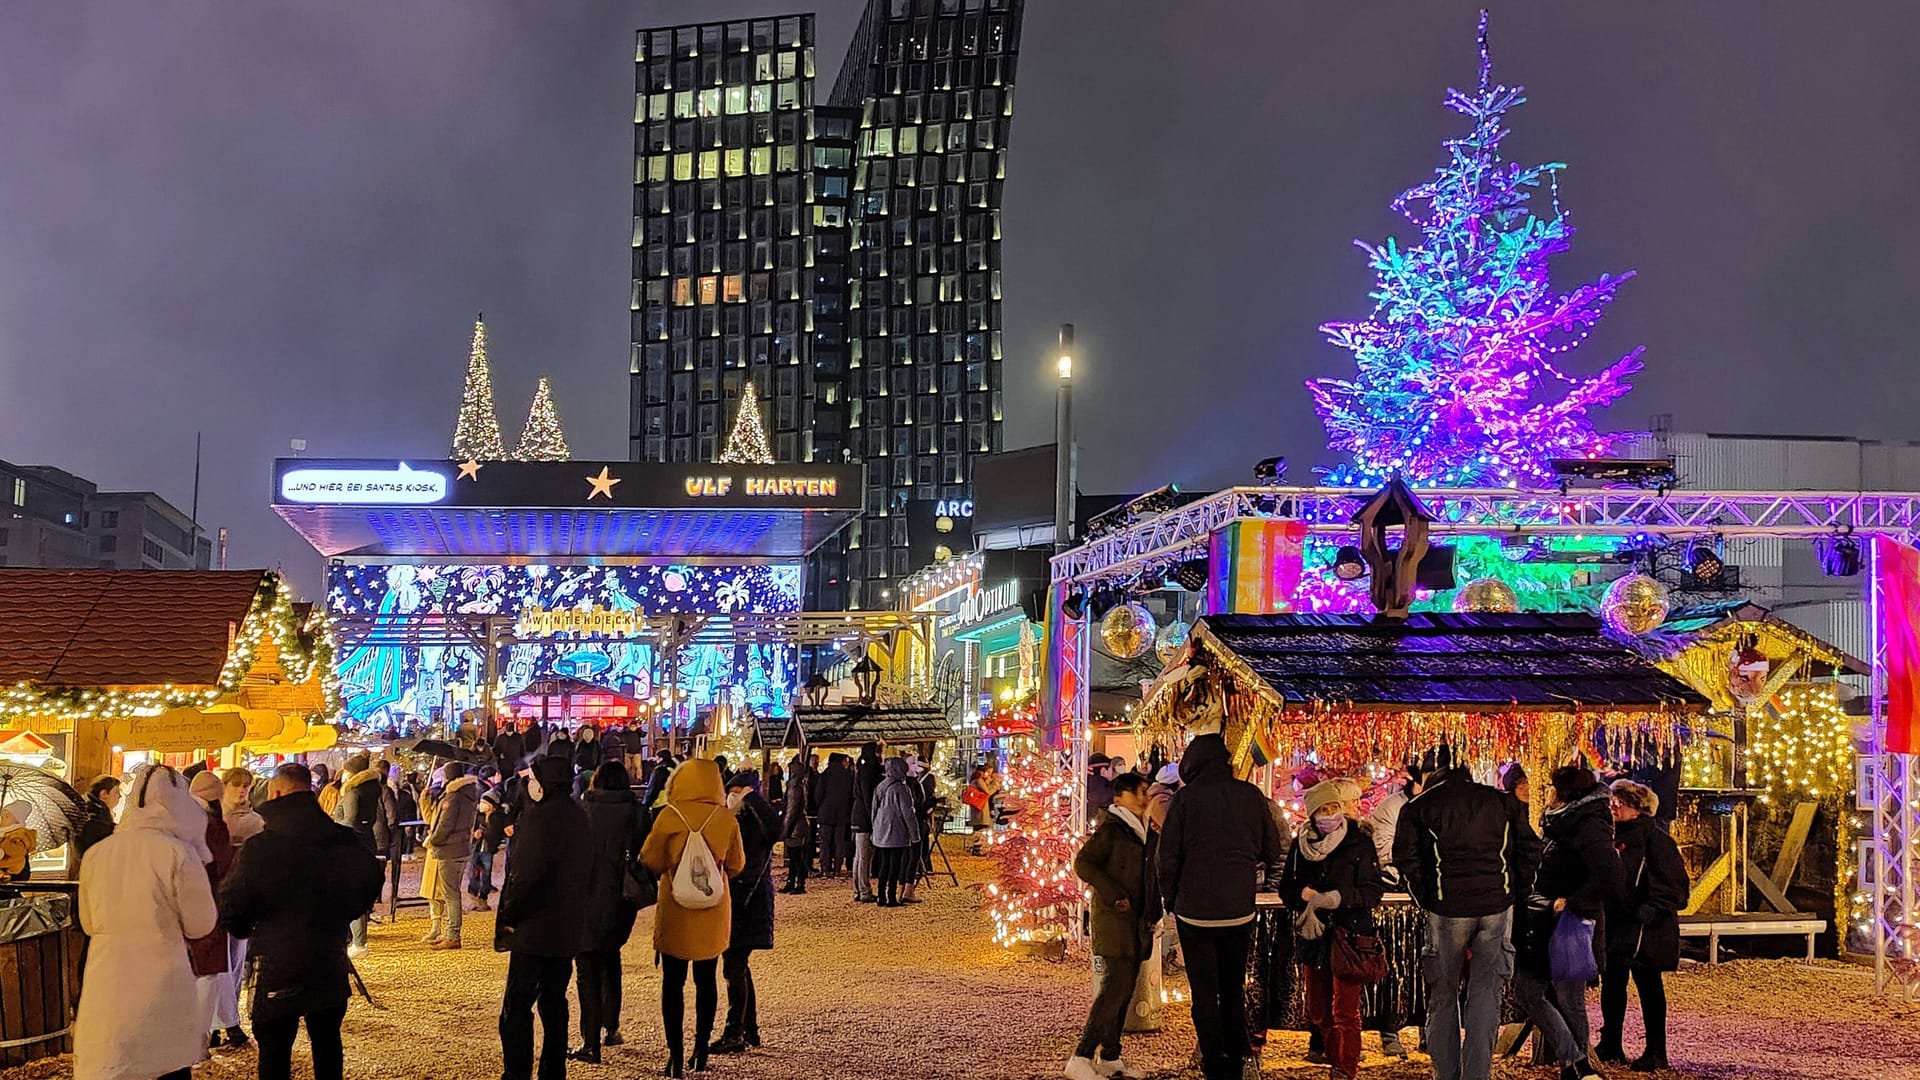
column 304, row 650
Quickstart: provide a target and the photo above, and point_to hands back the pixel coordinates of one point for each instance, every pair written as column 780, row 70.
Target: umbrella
column 56, row 811
column 440, row 748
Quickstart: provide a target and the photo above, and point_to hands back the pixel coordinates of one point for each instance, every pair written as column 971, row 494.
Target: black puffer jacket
column 613, row 825
column 1465, row 850
column 752, row 892
column 1579, row 865
column 1217, row 835
column 1645, row 921
column 543, row 901
column 291, row 893
column 1352, row 869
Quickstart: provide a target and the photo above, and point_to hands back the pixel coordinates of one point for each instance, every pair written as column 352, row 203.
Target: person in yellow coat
column 16, row 841
column 696, row 800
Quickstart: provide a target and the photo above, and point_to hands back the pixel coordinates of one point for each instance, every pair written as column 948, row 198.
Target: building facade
column 842, row 258
column 52, row 519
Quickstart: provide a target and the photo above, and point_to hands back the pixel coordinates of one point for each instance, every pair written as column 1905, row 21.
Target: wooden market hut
column 1361, row 690
column 849, row 726
column 181, row 662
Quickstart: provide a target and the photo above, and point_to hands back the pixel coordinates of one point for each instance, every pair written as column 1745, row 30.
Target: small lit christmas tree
column 476, row 436
column 542, row 439
column 747, row 444
column 1034, row 892
column 1456, row 370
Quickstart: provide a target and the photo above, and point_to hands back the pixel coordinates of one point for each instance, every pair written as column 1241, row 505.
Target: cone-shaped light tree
column 542, row 439
column 476, row 436
column 747, row 444
column 1458, row 383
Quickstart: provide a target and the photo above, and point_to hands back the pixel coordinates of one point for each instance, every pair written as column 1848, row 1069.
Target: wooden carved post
column 1394, row 569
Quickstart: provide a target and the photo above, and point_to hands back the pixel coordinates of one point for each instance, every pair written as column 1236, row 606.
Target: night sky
column 271, row 220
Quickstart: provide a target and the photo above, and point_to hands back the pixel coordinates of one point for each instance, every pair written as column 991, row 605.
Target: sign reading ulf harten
column 809, row 486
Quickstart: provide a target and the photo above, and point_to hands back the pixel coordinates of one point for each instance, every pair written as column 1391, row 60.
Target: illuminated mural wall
column 407, row 685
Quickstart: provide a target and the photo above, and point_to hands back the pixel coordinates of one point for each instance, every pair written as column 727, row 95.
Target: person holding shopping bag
column 1332, row 885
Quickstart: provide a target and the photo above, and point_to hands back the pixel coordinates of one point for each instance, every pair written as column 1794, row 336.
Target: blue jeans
column 480, row 873
column 1449, row 941
column 1559, row 1010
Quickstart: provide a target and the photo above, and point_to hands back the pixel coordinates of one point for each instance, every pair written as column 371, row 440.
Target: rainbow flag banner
column 1254, row 566
column 1896, row 568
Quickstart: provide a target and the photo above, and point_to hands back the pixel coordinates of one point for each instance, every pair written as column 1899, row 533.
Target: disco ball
column 1486, row 595
column 1127, row 630
column 1634, row 604
column 1171, row 639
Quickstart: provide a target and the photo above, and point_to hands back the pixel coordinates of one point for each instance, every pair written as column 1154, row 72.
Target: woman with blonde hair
column 691, row 938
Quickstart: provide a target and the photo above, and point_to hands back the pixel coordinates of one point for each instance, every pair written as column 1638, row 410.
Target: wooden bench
column 1756, row 924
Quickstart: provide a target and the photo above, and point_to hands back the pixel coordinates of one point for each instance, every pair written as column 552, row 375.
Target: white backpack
column 697, row 882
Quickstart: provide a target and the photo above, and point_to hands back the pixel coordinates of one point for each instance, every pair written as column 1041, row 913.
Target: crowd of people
column 192, row 880
column 1592, row 898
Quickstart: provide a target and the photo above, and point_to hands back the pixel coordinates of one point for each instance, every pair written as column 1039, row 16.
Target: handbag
column 1355, row 957
column 639, row 886
column 1570, row 950
column 974, row 797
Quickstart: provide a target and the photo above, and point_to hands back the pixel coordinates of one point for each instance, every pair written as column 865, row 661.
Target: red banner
column 1897, row 607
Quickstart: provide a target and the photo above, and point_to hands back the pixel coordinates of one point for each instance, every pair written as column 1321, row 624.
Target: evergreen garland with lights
column 476, row 435
column 747, row 444
column 1034, row 893
column 1456, row 363
column 542, row 439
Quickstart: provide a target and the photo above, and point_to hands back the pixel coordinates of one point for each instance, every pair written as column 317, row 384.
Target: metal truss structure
column 1182, row 533
column 1890, row 865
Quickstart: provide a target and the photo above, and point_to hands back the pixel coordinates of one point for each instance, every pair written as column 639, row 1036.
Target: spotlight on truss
column 1348, row 565
column 1191, row 575
column 1839, row 554
column 1271, row 470
column 1703, row 563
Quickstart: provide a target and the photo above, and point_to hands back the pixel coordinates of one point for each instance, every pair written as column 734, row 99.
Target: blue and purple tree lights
column 1457, row 383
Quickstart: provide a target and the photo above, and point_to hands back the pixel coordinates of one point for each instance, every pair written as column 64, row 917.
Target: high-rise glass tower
column 845, row 258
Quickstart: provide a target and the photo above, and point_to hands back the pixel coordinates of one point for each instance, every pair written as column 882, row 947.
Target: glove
column 1324, row 900
column 1307, row 925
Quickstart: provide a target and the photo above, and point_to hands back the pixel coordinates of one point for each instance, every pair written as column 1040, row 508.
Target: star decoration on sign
column 602, row 484
column 470, row 470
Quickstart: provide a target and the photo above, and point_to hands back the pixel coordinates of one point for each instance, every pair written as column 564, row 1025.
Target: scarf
column 1314, row 847
column 1139, row 827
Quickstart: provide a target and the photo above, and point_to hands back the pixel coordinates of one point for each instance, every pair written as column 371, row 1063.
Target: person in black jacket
column 751, row 895
column 866, row 780
column 489, row 836
column 1116, row 862
column 102, row 796
column 542, row 909
column 1579, row 877
column 292, row 893
column 926, row 793
column 362, row 808
column 616, row 833
column 836, row 815
column 796, row 831
column 1217, row 834
column 1644, row 923
column 1465, row 852
column 1332, row 884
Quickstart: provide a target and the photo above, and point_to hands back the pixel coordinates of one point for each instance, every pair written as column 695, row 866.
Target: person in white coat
column 143, row 893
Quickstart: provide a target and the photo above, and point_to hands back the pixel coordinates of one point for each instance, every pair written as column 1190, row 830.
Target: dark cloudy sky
column 267, row 220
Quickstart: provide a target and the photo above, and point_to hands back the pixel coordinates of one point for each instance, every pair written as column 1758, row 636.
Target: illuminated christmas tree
column 1034, row 891
column 747, row 444
column 476, row 437
column 542, row 439
column 1457, row 381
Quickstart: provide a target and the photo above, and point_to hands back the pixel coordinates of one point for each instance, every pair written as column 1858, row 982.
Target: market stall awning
column 560, row 509
column 121, row 627
column 852, row 725
column 1443, row 661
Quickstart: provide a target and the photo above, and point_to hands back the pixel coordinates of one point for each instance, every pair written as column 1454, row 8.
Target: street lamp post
column 1065, row 454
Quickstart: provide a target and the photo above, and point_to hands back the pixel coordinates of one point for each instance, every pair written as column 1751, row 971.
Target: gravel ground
column 854, row 991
